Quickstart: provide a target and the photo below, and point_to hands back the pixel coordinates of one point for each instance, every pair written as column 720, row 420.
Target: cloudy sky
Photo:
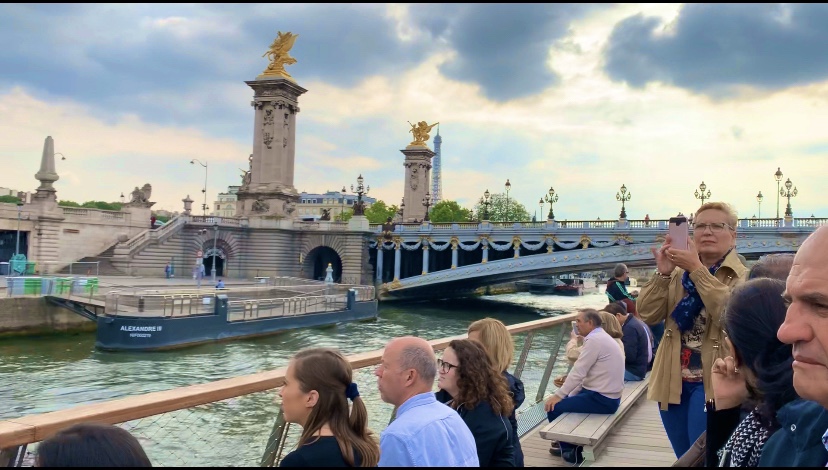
column 582, row 98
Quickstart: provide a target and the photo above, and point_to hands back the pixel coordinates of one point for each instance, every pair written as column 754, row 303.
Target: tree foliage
column 498, row 211
column 449, row 211
column 10, row 199
column 379, row 212
column 344, row 216
column 102, row 205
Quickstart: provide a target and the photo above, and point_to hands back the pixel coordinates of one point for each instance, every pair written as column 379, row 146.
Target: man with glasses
column 616, row 289
column 425, row 432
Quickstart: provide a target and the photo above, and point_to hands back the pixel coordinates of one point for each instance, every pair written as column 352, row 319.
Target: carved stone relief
column 415, row 179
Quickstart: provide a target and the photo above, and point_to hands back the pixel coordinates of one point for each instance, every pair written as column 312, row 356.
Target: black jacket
column 798, row 442
column 518, row 395
column 492, row 433
column 616, row 290
column 636, row 348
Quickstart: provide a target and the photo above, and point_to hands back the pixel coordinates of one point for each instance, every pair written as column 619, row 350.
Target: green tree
column 498, row 211
column 344, row 216
column 378, row 213
column 449, row 211
column 161, row 218
column 10, row 199
column 68, row 204
column 104, row 206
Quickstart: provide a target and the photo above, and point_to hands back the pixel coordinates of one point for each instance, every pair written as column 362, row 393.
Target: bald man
column 802, row 438
column 425, row 433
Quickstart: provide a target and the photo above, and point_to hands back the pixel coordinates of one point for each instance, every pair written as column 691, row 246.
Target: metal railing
column 90, row 268
column 79, row 286
column 231, row 422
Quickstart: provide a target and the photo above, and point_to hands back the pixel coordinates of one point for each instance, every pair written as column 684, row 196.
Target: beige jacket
column 656, row 302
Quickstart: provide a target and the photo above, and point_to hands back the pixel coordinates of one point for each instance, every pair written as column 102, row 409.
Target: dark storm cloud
column 502, row 47
column 715, row 48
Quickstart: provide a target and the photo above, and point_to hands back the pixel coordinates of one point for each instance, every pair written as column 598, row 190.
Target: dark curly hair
column 477, row 379
column 754, row 314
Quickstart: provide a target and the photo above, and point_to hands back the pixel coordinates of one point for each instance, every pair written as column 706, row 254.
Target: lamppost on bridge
column 702, row 195
column 759, row 199
column 551, row 198
column 778, row 177
column 342, row 210
column 788, row 193
column 508, row 187
column 215, row 250
column 427, row 203
column 623, row 196
column 204, row 205
column 359, row 206
column 17, row 243
column 123, row 199
column 541, row 206
column 485, row 201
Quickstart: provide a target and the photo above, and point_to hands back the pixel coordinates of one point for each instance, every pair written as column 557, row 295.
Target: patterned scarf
column 691, row 305
column 744, row 448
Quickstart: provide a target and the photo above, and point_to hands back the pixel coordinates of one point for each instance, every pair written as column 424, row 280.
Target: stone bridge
column 471, row 255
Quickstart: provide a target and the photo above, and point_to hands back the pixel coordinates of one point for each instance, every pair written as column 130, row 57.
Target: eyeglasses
column 714, row 228
column 444, row 366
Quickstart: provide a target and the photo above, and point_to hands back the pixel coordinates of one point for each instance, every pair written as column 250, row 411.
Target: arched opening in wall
column 220, row 258
column 316, row 262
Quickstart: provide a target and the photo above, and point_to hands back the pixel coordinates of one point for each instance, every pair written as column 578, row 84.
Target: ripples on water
column 45, row 374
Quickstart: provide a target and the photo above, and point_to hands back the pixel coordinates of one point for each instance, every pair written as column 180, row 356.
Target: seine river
column 39, row 375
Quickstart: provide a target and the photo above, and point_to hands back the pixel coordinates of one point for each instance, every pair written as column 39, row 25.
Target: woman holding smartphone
column 689, row 291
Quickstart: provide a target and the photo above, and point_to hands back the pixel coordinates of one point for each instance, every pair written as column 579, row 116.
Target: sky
column 582, row 98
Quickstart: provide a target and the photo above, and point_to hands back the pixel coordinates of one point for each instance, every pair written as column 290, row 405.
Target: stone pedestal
column 417, row 181
column 359, row 223
column 269, row 190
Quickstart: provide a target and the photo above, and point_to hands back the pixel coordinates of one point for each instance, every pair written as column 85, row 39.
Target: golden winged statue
column 279, row 55
column 420, row 131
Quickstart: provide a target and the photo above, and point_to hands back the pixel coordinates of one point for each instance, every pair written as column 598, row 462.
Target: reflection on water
column 52, row 373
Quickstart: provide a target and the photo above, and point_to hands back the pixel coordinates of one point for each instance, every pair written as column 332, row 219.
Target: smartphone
column 679, row 232
column 575, row 327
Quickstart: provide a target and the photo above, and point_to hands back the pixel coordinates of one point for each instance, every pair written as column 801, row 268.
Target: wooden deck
column 638, row 441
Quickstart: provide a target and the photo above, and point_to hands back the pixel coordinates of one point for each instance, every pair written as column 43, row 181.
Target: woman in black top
column 481, row 397
column 318, row 385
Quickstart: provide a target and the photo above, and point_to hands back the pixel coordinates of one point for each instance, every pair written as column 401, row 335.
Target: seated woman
column 318, row 385
column 498, row 343
column 757, row 374
column 91, row 445
column 480, row 394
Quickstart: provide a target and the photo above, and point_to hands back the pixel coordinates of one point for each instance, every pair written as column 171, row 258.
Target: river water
column 43, row 374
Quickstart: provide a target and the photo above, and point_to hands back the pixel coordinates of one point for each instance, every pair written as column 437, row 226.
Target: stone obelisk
column 417, row 173
column 267, row 189
column 47, row 174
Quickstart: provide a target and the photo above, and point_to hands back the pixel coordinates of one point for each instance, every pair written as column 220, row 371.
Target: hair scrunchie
column 352, row 391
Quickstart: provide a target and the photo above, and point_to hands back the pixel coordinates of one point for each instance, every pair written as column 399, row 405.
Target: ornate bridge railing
column 235, row 422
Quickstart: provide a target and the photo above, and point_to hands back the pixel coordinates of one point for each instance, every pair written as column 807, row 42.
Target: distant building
column 22, row 195
column 226, row 204
column 311, row 205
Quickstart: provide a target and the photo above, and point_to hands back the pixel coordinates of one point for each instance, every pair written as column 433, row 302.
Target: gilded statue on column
column 279, row 55
column 420, row 132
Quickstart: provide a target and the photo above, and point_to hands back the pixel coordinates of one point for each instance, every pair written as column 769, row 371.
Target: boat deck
column 638, row 441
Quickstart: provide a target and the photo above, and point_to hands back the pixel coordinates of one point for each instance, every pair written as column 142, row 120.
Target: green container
column 32, row 286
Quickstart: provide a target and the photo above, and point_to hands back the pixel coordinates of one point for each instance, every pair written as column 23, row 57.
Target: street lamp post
column 17, row 243
column 701, row 195
column 788, row 193
column 359, row 208
column 541, row 206
column 342, row 210
column 759, row 199
column 623, row 196
column 551, row 198
column 508, row 187
column 123, row 199
column 215, row 241
column 203, row 206
column 778, row 177
column 427, row 204
column 485, row 201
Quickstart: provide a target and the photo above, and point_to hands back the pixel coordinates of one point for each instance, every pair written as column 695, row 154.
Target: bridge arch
column 315, row 263
column 227, row 248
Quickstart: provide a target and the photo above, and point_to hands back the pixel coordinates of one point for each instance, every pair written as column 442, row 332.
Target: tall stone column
column 380, row 260
column 397, row 261
column 425, row 258
column 417, row 181
column 268, row 190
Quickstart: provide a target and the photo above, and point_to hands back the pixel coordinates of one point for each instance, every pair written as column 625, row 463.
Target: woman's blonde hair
column 610, row 324
column 497, row 341
column 732, row 217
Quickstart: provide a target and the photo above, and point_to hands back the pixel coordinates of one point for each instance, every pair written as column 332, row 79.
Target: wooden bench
column 589, row 430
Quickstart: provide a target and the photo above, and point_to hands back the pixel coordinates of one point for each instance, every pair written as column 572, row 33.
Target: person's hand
column 635, row 292
column 559, row 381
column 663, row 262
column 729, row 388
column 551, row 402
column 688, row 259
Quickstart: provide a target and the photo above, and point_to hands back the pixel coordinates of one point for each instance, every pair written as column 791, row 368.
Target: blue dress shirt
column 427, row 433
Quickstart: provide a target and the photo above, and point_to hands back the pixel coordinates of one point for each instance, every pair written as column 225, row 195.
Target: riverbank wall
column 30, row 316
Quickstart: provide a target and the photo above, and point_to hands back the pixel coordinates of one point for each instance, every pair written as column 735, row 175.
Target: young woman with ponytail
column 318, row 385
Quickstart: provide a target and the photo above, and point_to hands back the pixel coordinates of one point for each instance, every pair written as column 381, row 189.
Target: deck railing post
column 276, row 441
column 527, row 345
column 553, row 357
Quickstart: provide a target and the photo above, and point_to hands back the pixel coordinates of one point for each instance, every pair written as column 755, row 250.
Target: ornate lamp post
column 759, row 199
column 508, row 187
column 623, row 196
column 215, row 241
column 551, row 198
column 485, row 201
column 203, row 206
column 123, row 199
column 427, row 203
column 359, row 207
column 541, row 206
column 342, row 210
column 788, row 193
column 17, row 243
column 701, row 195
column 778, row 177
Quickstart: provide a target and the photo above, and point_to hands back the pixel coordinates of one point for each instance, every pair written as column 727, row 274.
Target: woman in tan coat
column 689, row 291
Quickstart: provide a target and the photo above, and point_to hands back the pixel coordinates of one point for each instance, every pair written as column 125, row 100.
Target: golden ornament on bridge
column 420, row 131
column 279, row 56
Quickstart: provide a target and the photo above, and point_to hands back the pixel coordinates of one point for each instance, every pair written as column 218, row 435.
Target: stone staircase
column 148, row 253
column 105, row 266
